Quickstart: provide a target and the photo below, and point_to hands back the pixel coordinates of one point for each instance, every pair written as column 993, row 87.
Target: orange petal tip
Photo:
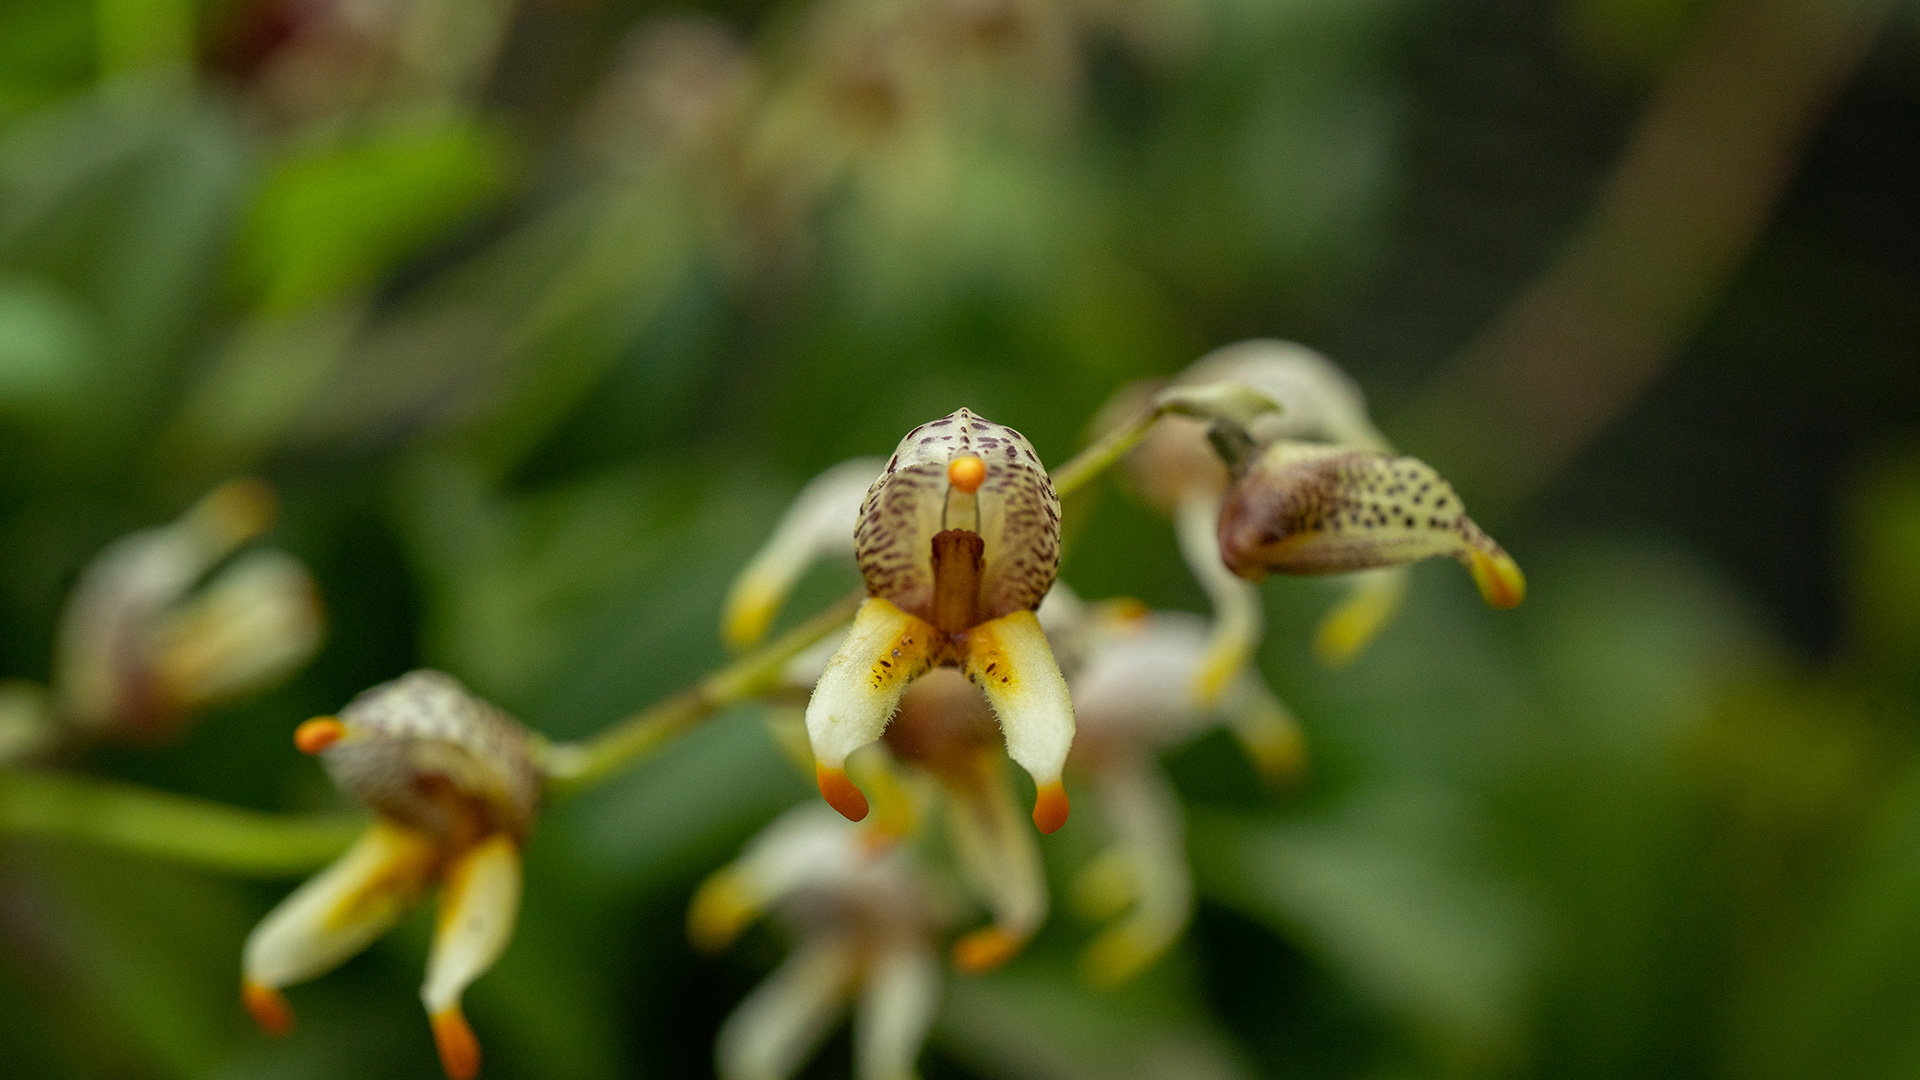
column 840, row 792
column 967, row 473
column 459, row 1049
column 268, row 1007
column 317, row 734
column 985, row 949
column 1050, row 807
column 1501, row 583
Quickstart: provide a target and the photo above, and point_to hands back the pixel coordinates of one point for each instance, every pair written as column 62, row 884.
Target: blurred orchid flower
column 958, row 541
column 157, row 629
column 1132, row 699
column 865, row 920
column 454, row 790
column 1303, row 508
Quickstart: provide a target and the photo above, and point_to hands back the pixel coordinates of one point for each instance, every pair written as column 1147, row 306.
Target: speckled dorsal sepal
column 1015, row 511
column 406, row 745
column 1313, row 509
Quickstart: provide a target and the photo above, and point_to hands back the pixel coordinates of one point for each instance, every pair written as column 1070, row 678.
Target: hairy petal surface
column 1010, row 661
column 884, row 651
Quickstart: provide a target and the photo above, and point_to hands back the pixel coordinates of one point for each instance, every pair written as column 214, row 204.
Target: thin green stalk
column 178, row 828
column 1109, row 448
column 572, row 767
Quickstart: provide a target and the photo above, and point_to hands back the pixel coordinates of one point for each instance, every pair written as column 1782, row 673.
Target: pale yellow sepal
column 1370, row 604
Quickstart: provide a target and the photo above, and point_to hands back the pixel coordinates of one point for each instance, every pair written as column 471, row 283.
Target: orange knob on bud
column 967, row 473
column 317, row 734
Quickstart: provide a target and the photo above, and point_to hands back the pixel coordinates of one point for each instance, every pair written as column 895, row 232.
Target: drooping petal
column 884, row 651
column 255, row 623
column 1008, row 658
column 423, row 750
column 807, row 847
column 335, row 915
column 1144, row 813
column 1371, row 602
column 1266, row 729
column 1308, row 509
column 898, row 1000
column 1000, row 860
column 478, row 907
column 784, row 1018
column 1239, row 617
column 820, row 524
column 1012, row 507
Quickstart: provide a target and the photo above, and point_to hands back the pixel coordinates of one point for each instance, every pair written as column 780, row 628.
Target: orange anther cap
column 967, row 473
column 985, row 949
column 1050, row 807
column 840, row 793
column 317, row 734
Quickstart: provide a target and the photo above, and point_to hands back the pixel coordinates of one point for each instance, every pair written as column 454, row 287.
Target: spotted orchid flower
column 958, row 541
column 865, row 920
column 454, row 792
column 167, row 621
column 1304, row 508
column 1130, row 696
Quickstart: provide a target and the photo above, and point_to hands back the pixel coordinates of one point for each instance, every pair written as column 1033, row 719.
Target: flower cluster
column 965, row 656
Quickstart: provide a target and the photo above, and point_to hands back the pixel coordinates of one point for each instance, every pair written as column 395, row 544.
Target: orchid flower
column 819, row 524
column 159, row 629
column 1176, row 469
column 958, row 541
column 454, row 792
column 1130, row 694
column 865, row 920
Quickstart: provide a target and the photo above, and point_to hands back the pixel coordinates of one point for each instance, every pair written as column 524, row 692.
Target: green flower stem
column 1084, row 466
column 177, row 828
column 572, row 767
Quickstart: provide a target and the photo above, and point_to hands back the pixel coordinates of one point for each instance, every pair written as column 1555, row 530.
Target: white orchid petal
column 897, row 1006
column 251, row 626
column 342, row 909
column 884, row 651
column 1001, row 861
column 478, row 907
column 1239, row 616
column 1009, row 659
column 785, row 1017
column 1135, row 688
column 819, row 525
column 1318, row 401
column 1266, row 729
column 1144, row 813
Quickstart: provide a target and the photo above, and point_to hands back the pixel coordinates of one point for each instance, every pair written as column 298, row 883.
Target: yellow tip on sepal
column 750, row 611
column 238, row 510
column 459, row 1048
column 1117, row 956
column 1501, row 583
column 721, row 909
column 985, row 949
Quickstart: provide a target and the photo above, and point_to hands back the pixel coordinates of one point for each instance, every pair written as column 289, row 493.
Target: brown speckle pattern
column 412, row 740
column 1019, row 517
column 1321, row 510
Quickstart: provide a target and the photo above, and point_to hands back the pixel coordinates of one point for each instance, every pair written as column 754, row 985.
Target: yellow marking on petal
column 317, row 734
column 1353, row 623
column 967, row 473
column 1118, row 955
column 237, row 510
column 1280, row 757
column 1501, row 583
column 986, row 949
column 721, row 909
column 459, row 1048
column 840, row 792
column 268, row 1007
column 1225, row 659
column 750, row 611
column 1105, row 887
column 1050, row 807
column 396, row 883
